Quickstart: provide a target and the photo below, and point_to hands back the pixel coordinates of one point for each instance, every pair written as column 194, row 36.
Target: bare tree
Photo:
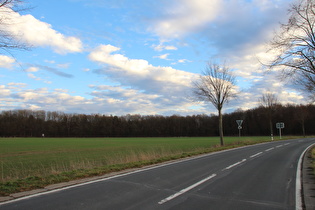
column 301, row 114
column 8, row 40
column 270, row 102
column 216, row 85
column 294, row 46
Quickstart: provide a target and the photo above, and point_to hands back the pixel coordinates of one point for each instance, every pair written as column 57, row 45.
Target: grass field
column 43, row 161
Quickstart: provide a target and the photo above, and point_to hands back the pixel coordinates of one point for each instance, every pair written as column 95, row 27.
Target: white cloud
column 117, row 100
column 13, row 85
column 182, row 60
column 4, row 91
column 140, row 73
column 50, row 61
column 6, row 62
column 170, row 47
column 249, row 98
column 224, row 25
column 267, row 4
column 163, row 57
column 63, row 65
column 185, row 16
column 32, row 69
column 32, row 76
column 125, row 100
column 243, row 25
column 292, row 96
column 162, row 47
column 37, row 33
column 17, row 96
column 159, row 88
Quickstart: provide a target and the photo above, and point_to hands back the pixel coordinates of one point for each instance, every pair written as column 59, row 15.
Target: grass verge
column 313, row 159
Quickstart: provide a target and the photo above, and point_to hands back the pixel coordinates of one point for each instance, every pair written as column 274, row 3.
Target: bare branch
column 295, row 44
column 8, row 40
column 268, row 100
column 215, row 85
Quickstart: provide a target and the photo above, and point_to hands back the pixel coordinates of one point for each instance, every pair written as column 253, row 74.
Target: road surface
column 261, row 176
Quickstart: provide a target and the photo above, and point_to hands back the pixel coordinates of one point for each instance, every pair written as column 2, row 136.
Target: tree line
column 298, row 120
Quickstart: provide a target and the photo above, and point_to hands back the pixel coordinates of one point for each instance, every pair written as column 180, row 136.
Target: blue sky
column 138, row 57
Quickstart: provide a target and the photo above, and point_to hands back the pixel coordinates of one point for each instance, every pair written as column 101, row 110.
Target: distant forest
column 28, row 123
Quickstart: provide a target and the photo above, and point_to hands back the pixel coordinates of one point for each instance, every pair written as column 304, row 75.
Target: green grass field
column 51, row 160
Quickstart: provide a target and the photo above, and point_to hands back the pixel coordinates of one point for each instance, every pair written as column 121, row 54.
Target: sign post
column 239, row 123
column 280, row 125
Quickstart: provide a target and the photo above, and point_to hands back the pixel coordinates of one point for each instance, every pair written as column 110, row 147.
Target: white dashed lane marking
column 235, row 164
column 186, row 189
column 267, row 150
column 259, row 153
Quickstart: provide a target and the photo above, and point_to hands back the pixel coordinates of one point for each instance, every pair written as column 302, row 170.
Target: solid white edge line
column 186, row 189
column 259, row 153
column 298, row 182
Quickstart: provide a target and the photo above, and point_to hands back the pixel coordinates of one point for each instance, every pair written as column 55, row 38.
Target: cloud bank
column 138, row 73
column 28, row 29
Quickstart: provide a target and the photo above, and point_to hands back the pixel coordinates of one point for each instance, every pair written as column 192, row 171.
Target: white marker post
column 280, row 125
column 239, row 123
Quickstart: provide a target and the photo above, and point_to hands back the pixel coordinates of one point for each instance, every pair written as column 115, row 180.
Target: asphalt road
column 255, row 177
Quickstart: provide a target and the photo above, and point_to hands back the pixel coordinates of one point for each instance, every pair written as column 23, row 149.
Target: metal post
column 239, row 123
column 280, row 125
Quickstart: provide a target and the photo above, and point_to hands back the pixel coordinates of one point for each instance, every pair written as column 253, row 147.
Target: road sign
column 280, row 125
column 239, row 123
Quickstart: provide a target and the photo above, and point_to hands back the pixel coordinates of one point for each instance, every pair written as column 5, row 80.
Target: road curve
column 260, row 176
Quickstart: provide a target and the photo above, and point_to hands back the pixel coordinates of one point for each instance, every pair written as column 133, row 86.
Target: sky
column 139, row 56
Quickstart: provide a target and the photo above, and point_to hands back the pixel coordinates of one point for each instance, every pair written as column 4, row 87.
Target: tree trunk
column 221, row 127
column 303, row 128
column 271, row 127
